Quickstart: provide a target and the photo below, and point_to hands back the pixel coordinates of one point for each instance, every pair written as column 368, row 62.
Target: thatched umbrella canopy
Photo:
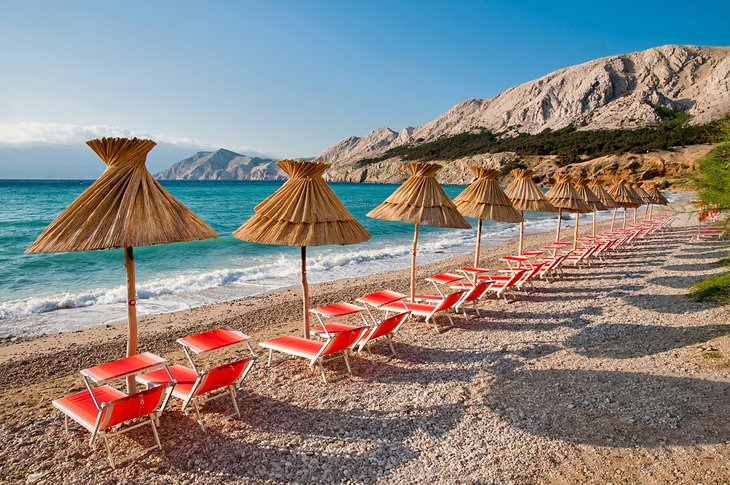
column 124, row 208
column 581, row 186
column 526, row 196
column 420, row 200
column 302, row 212
column 485, row 199
column 644, row 196
column 564, row 196
column 656, row 198
column 605, row 198
column 624, row 197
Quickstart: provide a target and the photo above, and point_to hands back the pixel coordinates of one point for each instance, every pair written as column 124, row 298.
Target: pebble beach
column 608, row 374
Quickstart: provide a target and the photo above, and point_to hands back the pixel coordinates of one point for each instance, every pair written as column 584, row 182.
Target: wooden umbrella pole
column 131, row 311
column 522, row 231
column 648, row 210
column 594, row 223
column 651, row 211
column 413, row 264
column 575, row 236
column 305, row 292
column 624, row 218
column 560, row 217
column 613, row 219
column 479, row 243
column 635, row 211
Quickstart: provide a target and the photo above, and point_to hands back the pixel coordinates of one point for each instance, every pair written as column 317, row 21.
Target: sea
column 56, row 292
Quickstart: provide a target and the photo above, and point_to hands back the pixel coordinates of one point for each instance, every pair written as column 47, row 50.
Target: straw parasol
column 643, row 195
column 581, row 186
column 420, row 200
column 564, row 196
column 605, row 198
column 485, row 199
column 124, row 208
column 624, row 197
column 526, row 196
column 302, row 212
column 656, row 199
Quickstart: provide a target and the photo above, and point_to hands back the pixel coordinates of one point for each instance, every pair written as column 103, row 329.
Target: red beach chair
column 193, row 384
column 425, row 309
column 500, row 287
column 103, row 408
column 316, row 351
column 385, row 329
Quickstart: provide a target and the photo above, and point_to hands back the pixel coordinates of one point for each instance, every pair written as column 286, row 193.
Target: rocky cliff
column 222, row 165
column 620, row 91
column 661, row 166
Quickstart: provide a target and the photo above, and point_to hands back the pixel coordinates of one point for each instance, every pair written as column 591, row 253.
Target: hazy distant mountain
column 70, row 161
column 222, row 165
column 612, row 92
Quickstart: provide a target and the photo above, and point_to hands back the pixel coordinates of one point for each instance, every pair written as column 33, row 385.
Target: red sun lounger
column 426, row 310
column 102, row 408
column 316, row 351
column 499, row 288
column 197, row 386
column 385, row 329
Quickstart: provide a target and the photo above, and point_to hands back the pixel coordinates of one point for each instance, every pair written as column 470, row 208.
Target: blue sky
column 290, row 78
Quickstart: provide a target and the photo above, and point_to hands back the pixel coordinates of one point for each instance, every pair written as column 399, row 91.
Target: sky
column 291, row 78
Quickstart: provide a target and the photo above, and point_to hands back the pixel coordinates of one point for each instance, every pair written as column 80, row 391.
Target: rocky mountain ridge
column 222, row 164
column 621, row 91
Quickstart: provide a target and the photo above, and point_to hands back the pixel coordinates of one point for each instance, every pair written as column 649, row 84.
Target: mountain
column 622, row 91
column 222, row 165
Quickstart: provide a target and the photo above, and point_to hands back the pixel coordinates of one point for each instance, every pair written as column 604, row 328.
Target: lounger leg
column 271, row 351
column 233, row 398
column 367, row 346
column 392, row 347
column 347, row 362
column 321, row 370
column 108, row 450
column 197, row 414
column 65, row 422
column 154, row 432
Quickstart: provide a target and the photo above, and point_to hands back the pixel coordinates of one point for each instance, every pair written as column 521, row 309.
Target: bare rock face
column 612, row 92
column 222, row 165
column 353, row 148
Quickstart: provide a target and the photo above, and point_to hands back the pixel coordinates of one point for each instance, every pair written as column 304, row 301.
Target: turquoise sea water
column 41, row 293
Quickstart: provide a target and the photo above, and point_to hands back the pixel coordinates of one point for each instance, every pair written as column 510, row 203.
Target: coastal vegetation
column 712, row 183
column 569, row 143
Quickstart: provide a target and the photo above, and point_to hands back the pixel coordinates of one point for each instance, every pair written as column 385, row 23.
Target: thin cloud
column 66, row 133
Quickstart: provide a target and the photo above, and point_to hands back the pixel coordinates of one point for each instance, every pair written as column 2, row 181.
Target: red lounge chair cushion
column 133, row 406
column 184, row 379
column 299, row 346
column 422, row 309
column 337, row 309
column 213, row 339
column 81, row 408
column 222, row 376
column 122, row 367
column 381, row 297
column 334, row 327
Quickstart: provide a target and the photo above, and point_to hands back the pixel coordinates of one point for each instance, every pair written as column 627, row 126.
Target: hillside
column 222, row 165
column 623, row 92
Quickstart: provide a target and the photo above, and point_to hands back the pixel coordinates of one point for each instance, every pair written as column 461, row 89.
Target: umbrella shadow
column 703, row 255
column 690, row 267
column 676, row 282
column 628, row 341
column 664, row 303
column 616, row 409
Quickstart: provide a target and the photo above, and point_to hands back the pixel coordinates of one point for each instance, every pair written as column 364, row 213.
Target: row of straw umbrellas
column 126, row 208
